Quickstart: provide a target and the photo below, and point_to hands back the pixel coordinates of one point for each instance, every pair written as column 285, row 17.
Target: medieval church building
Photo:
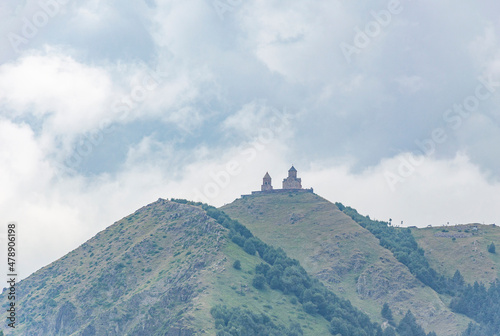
column 291, row 183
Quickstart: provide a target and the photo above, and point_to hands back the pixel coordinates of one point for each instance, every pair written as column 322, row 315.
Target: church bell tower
column 266, row 183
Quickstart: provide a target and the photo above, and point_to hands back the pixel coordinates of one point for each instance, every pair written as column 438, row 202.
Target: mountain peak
column 146, row 264
column 347, row 258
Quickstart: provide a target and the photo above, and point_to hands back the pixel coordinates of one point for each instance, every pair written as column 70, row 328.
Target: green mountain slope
column 463, row 248
column 345, row 256
column 158, row 271
column 163, row 269
column 118, row 281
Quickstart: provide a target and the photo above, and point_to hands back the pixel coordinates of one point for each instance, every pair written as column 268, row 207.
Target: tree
column 237, row 265
column 338, row 327
column 409, row 327
column 310, row 308
column 456, row 284
column 259, row 281
column 458, row 279
column 387, row 313
column 237, row 239
column 249, row 247
column 491, row 248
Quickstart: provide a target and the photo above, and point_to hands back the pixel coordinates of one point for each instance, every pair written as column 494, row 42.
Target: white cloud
column 56, row 213
column 217, row 81
column 411, row 84
column 258, row 119
column 484, row 46
column 433, row 192
column 299, row 41
column 72, row 97
column 21, row 160
column 174, row 101
column 75, row 208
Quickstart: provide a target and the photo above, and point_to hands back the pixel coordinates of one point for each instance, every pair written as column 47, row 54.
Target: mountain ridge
column 346, row 257
column 130, row 245
column 168, row 269
column 158, row 271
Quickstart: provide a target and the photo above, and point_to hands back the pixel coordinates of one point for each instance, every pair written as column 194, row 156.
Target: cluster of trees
column 286, row 275
column 185, row 201
column 482, row 305
column 408, row 326
column 491, row 248
column 237, row 321
column 479, row 330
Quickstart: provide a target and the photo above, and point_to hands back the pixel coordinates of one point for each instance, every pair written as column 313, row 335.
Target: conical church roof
column 267, row 175
column 292, row 169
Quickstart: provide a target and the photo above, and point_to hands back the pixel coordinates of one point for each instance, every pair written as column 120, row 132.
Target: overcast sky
column 391, row 107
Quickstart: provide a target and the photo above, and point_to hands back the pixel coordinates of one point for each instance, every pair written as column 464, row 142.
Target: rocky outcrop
column 384, row 281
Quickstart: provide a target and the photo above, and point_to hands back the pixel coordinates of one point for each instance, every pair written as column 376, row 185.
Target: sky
column 391, row 107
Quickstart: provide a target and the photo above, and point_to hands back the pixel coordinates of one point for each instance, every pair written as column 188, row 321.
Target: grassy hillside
column 231, row 287
column 162, row 269
column 143, row 266
column 345, row 256
column 158, row 271
column 463, row 248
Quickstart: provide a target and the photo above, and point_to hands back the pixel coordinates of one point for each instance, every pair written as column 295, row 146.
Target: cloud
column 412, row 84
column 18, row 168
column 287, row 40
column 30, row 197
column 484, row 46
column 436, row 191
column 56, row 213
column 169, row 99
column 258, row 119
column 70, row 96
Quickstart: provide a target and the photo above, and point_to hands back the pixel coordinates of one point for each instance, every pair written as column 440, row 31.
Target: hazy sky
column 391, row 107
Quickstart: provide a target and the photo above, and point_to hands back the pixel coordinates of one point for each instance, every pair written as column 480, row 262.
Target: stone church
column 291, row 183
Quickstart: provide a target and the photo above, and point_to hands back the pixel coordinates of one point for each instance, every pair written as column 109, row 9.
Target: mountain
column 159, row 271
column 463, row 248
column 346, row 257
column 145, row 265
column 278, row 263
